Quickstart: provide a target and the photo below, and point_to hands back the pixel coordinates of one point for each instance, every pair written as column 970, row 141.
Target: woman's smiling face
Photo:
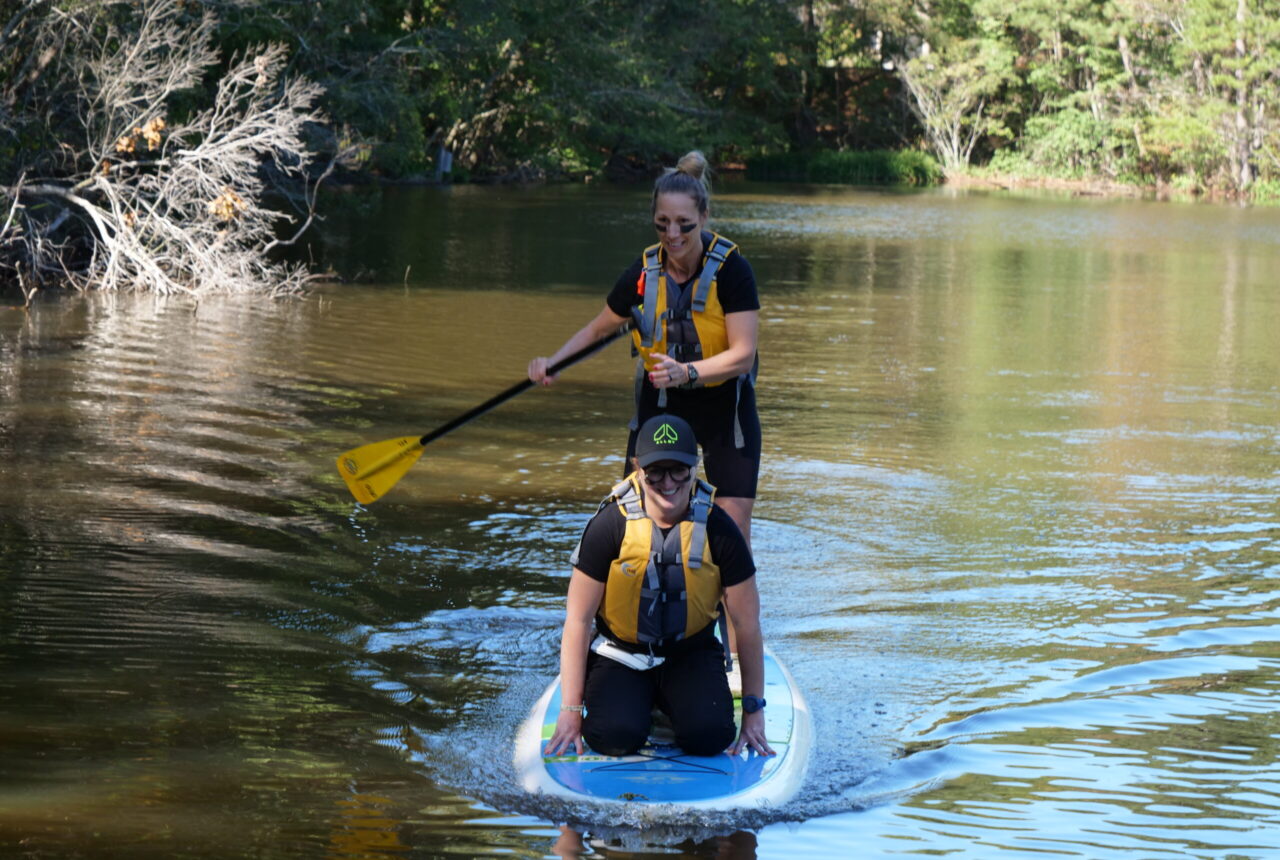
column 679, row 225
column 666, row 500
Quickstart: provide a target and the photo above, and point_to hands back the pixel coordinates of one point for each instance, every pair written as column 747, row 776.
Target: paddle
column 371, row 470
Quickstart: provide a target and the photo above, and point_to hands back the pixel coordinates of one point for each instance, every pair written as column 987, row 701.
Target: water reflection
column 740, row 845
column 363, row 830
column 1017, row 535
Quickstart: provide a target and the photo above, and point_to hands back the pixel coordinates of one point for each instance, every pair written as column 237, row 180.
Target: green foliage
column 1069, row 142
column 1166, row 90
column 881, row 167
column 1177, row 91
column 1267, row 191
column 1183, row 144
column 1233, row 51
column 367, row 56
column 554, row 86
column 1011, row 161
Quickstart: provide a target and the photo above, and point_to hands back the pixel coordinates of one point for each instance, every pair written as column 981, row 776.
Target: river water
column 1018, row 534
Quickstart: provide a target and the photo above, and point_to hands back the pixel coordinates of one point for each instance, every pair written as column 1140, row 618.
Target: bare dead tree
column 129, row 193
column 947, row 90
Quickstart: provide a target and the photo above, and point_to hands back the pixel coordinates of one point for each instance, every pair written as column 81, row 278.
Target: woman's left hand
column 752, row 735
column 667, row 372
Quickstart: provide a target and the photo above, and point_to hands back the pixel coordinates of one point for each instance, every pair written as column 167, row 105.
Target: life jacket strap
column 663, row 597
column 658, row 641
column 637, row 323
column 634, row 424
column 652, row 576
column 685, row 352
column 652, row 289
column 699, row 510
column 665, row 555
column 720, row 249
column 723, row 623
column 739, row 437
column 624, row 493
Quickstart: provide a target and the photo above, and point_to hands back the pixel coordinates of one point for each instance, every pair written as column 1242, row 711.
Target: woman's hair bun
column 694, row 164
column 691, row 175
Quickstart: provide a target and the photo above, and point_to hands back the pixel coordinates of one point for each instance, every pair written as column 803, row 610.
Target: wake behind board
column 661, row 773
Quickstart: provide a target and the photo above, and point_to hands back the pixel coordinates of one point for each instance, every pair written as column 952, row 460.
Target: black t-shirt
column 603, row 536
column 735, row 284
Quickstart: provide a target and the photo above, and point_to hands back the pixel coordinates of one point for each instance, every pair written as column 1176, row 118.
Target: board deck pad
column 662, row 773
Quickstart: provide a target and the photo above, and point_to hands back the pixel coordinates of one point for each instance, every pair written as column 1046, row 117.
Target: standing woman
column 693, row 298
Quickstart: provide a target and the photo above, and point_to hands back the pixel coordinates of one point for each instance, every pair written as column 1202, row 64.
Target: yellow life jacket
column 661, row 589
column 688, row 324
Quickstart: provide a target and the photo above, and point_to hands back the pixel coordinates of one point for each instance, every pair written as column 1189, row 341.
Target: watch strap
column 692, row 373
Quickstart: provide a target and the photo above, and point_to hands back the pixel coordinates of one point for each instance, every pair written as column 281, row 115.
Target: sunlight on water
column 1017, row 535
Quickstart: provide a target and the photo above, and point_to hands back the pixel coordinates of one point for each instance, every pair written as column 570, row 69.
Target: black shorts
column 733, row 471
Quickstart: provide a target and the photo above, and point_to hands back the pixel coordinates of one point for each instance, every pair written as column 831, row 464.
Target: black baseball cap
column 666, row 437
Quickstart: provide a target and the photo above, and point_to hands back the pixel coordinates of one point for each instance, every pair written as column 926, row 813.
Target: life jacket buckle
column 685, row 351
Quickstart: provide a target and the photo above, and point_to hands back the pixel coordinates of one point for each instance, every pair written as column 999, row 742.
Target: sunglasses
column 655, row 474
column 684, row 228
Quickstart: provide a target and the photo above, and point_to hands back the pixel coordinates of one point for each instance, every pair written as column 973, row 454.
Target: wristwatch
column 692, row 373
column 751, row 704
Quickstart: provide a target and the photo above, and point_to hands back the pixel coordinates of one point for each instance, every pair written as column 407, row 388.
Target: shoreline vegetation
column 175, row 145
column 878, row 168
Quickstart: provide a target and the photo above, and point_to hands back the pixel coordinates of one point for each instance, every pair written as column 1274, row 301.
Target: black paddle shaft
column 503, row 397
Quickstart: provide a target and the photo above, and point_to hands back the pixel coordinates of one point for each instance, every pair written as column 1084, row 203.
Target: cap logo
column 666, row 435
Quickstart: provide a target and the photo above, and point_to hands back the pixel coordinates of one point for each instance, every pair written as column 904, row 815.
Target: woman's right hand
column 568, row 734
column 538, row 371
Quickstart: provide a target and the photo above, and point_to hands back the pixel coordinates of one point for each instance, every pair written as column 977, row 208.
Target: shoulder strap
column 627, row 497
column 717, row 251
column 652, row 288
column 699, row 509
column 624, row 495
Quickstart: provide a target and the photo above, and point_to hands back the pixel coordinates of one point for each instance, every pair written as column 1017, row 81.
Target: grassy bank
column 879, row 167
column 1263, row 193
column 911, row 167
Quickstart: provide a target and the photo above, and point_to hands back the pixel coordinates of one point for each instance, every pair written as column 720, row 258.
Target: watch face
column 751, row 704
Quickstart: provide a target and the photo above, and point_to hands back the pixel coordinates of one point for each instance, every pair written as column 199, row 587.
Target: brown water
column 1018, row 534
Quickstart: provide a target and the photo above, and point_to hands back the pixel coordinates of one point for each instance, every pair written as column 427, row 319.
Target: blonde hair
column 692, row 176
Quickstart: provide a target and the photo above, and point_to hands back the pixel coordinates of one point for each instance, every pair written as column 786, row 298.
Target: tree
column 120, row 175
column 1067, row 110
column 949, row 92
column 1211, row 108
column 1238, row 44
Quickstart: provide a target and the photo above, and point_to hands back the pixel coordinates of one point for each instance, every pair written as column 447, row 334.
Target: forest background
column 1177, row 92
column 133, row 134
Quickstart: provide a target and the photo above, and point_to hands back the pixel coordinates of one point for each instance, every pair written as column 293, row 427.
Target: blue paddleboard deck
column 661, row 772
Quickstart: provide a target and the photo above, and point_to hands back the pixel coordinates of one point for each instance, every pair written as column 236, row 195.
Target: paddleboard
column 661, row 773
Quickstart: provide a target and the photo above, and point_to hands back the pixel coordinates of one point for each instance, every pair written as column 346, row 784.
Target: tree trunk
column 1244, row 137
column 1197, row 71
column 1126, row 57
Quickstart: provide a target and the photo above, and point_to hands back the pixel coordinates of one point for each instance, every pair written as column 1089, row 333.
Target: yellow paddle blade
column 371, row 470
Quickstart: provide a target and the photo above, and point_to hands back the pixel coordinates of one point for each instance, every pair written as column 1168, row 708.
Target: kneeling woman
column 653, row 565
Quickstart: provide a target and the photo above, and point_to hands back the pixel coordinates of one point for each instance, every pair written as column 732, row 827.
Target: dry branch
column 129, row 196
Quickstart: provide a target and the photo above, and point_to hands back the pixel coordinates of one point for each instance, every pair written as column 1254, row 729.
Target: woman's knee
column 615, row 737
column 708, row 738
